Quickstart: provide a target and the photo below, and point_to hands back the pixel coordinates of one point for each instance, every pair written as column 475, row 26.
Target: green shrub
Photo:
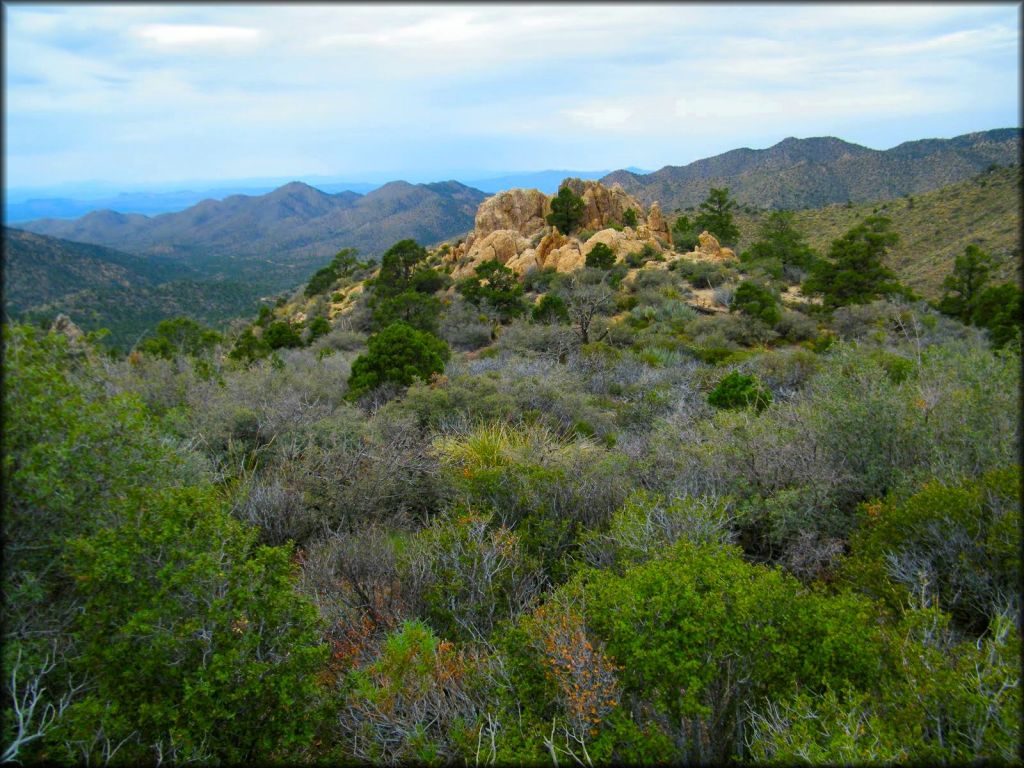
column 999, row 310
column 757, row 302
column 214, row 657
column 697, row 633
column 318, row 326
column 550, row 309
column 342, row 265
column 281, row 334
column 496, row 285
column 957, row 542
column 739, row 390
column 601, row 257
column 180, row 336
column 645, row 254
column 399, row 354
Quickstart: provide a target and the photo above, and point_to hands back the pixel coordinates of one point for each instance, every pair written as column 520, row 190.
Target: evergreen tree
column 716, row 216
column 965, row 284
column 410, row 307
column 780, row 239
column 756, row 301
column 399, row 354
column 567, row 209
column 998, row 310
column 496, row 285
column 396, row 268
column 684, row 234
column 854, row 273
column 281, row 334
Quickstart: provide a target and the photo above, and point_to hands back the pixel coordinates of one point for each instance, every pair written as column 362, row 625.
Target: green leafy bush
column 956, row 542
column 280, row 334
column 697, row 631
column 180, row 336
column 738, row 390
column 550, row 309
column 496, row 285
column 601, row 257
column 757, row 302
column 399, row 354
column 194, row 639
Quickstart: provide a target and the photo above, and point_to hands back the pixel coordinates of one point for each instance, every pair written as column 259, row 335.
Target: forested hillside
column 579, row 489
column 102, row 288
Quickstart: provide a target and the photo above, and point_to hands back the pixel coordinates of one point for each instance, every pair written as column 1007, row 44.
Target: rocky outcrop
column 511, row 228
column 501, row 245
column 708, row 249
column 604, row 205
column 519, row 210
column 657, row 225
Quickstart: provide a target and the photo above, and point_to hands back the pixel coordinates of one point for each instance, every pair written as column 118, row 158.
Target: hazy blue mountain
column 277, row 239
column 148, row 203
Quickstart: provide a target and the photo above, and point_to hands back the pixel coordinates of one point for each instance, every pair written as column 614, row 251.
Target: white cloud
column 598, row 116
column 196, row 34
column 459, row 85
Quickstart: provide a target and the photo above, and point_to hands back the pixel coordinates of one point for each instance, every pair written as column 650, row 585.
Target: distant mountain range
column 275, row 240
column 546, row 181
column 809, row 173
column 22, row 205
column 149, row 203
column 104, row 288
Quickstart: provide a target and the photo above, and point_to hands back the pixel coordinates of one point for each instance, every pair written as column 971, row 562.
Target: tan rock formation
column 708, row 249
column 566, row 258
column 551, row 241
column 511, row 227
column 621, row 243
column 604, row 205
column 500, row 245
column 657, row 225
column 520, row 210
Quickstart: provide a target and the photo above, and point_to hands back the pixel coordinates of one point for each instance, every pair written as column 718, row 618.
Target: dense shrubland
column 564, row 519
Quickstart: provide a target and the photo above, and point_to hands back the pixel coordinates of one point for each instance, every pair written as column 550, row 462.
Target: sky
column 138, row 94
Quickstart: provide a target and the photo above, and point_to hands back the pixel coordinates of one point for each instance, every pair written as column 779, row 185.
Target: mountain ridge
column 823, row 170
column 277, row 237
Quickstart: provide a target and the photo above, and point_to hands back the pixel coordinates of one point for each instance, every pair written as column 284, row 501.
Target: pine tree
column 854, row 273
column 716, row 216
